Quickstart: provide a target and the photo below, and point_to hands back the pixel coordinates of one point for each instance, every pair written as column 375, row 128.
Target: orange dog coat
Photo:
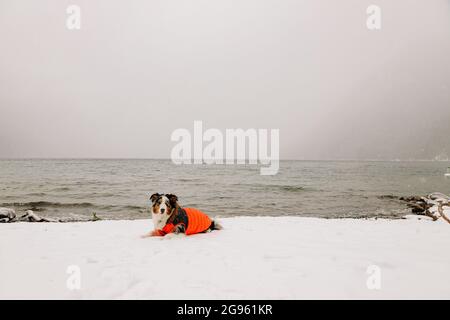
column 193, row 220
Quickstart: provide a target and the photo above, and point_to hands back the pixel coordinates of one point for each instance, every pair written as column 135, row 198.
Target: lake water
column 120, row 189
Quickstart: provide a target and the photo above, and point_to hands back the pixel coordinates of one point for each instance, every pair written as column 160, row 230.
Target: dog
column 170, row 218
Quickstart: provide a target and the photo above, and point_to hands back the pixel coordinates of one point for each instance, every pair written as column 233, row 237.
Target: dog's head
column 162, row 208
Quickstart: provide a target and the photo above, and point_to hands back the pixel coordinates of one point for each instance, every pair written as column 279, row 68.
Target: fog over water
column 138, row 70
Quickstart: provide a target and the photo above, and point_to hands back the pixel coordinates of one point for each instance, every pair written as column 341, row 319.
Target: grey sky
column 139, row 69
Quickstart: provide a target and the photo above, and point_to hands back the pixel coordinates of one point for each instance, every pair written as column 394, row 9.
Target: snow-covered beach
column 252, row 258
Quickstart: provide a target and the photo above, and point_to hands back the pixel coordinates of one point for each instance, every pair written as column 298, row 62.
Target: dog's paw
column 174, row 235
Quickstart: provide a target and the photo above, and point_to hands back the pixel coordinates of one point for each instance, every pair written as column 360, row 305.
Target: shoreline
column 251, row 258
column 405, row 217
column 408, row 215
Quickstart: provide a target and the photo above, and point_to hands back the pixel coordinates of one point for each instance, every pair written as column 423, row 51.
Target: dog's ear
column 154, row 197
column 172, row 199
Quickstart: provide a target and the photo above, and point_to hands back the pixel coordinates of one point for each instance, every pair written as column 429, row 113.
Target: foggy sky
column 137, row 70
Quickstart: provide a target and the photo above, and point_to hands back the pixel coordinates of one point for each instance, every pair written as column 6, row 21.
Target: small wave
column 100, row 195
column 387, row 197
column 36, row 194
column 292, row 188
column 129, row 207
column 188, row 179
column 288, row 188
column 61, row 189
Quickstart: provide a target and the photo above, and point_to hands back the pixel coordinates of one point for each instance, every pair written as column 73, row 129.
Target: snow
column 252, row 258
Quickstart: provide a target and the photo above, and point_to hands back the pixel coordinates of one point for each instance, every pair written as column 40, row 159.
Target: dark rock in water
column 7, row 215
column 411, row 199
column 417, row 207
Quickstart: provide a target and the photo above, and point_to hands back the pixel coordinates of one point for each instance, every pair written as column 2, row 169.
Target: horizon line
column 168, row 159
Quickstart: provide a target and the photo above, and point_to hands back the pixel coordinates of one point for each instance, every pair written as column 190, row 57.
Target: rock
column 417, row 207
column 7, row 214
column 411, row 199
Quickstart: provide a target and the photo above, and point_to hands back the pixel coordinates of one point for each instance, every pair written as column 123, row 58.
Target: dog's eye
column 168, row 203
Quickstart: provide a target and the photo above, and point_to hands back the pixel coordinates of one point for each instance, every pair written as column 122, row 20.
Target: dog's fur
column 163, row 207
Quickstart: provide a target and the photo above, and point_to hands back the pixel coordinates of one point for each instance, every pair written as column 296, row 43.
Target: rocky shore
column 435, row 206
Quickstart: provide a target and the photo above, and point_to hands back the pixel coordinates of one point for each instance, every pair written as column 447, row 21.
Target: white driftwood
column 7, row 214
column 435, row 206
